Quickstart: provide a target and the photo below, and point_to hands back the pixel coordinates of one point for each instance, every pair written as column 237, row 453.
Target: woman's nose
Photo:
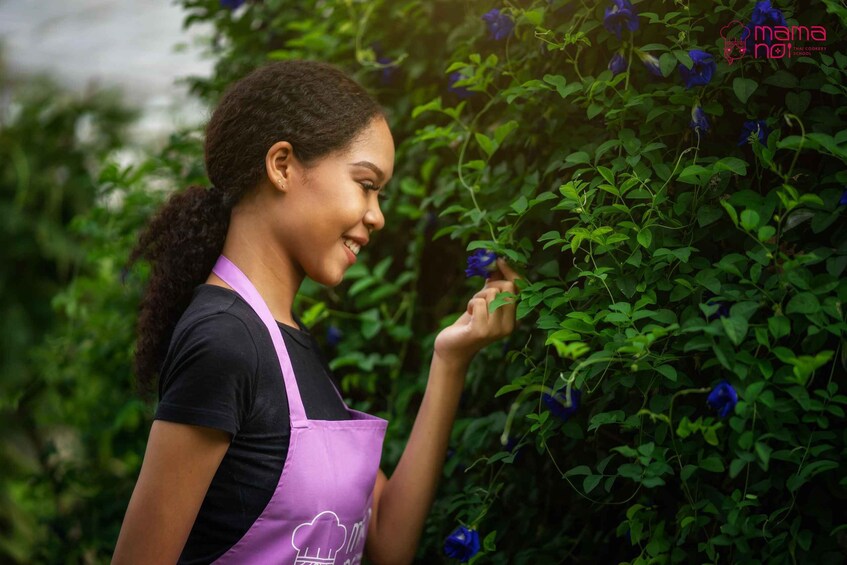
column 374, row 218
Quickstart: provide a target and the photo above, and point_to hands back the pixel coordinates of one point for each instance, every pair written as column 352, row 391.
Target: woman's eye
column 369, row 186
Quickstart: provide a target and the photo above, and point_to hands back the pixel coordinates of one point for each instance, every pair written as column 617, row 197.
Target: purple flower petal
column 481, row 263
column 723, row 398
column 462, row 544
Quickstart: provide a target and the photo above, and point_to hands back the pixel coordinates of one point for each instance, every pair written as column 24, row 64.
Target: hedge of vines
column 675, row 390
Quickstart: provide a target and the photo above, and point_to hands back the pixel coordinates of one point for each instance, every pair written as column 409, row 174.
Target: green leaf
column 735, row 328
column 733, row 164
column 744, row 88
column 579, row 470
column 766, row 232
column 797, row 102
column 779, row 326
column 488, row 542
column 733, row 215
column 520, row 204
column 645, row 237
column 668, row 372
column 590, row 482
column 764, row 453
column 503, row 130
column 667, row 63
column 803, row 303
column 486, row 143
column 578, row 158
column 694, row 174
column 603, row 418
column 749, row 220
column 712, row 464
column 707, row 214
column 736, row 467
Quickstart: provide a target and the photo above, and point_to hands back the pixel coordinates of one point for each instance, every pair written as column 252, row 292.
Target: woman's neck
column 270, row 270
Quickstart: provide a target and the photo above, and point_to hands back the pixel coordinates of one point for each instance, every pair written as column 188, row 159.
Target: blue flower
column 699, row 121
column 759, row 127
column 721, row 312
column 481, row 263
column 560, row 405
column 843, row 200
column 387, row 72
column 723, row 398
column 232, row 4
column 701, row 72
column 617, row 65
column 459, row 91
column 333, row 336
column 499, row 25
column 621, row 14
column 462, row 544
column 651, row 62
column 765, row 14
column 431, row 221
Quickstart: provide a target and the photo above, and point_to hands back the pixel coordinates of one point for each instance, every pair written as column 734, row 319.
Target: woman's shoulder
column 215, row 307
column 215, row 324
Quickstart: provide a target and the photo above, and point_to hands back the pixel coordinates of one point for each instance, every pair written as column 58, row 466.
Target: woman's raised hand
column 476, row 327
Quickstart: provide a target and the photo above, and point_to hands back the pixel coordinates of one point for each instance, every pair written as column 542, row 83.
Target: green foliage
column 51, row 143
column 658, row 261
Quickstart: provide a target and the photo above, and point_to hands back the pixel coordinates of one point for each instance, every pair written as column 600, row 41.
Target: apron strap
column 233, row 276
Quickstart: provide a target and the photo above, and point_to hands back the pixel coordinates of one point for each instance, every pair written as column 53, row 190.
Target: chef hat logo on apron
column 325, row 530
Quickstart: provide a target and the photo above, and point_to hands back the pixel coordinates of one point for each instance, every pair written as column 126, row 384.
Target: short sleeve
column 209, row 375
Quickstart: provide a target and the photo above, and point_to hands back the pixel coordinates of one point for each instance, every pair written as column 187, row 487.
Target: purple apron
column 319, row 512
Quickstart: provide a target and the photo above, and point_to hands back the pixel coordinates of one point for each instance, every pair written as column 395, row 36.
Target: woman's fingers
column 486, row 294
column 505, row 272
column 479, row 309
column 502, row 321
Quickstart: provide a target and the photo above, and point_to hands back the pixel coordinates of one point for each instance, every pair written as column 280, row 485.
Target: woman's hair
column 311, row 104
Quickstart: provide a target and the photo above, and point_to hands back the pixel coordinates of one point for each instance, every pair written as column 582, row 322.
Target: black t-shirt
column 221, row 371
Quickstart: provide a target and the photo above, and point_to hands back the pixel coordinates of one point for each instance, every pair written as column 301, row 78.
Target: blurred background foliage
column 659, row 260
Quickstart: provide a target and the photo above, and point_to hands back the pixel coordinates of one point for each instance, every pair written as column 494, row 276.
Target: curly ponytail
column 314, row 105
column 181, row 242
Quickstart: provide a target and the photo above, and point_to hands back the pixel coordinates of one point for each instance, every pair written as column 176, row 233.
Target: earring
column 280, row 183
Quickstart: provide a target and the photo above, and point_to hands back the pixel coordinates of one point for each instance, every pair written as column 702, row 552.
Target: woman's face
column 334, row 202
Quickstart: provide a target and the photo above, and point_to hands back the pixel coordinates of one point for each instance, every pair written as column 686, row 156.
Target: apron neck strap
column 232, row 275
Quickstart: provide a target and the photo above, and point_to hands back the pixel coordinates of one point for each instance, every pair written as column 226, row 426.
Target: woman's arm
column 178, row 467
column 401, row 503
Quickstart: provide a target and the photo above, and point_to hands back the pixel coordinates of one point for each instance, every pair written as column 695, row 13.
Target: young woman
column 253, row 456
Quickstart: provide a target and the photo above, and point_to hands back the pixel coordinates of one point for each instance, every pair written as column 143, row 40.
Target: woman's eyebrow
column 371, row 166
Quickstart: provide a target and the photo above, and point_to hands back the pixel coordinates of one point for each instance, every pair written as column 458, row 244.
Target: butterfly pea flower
column 617, row 65
column 723, row 307
column 481, row 264
column 459, row 91
column 651, row 62
column 701, row 72
column 699, row 121
column 764, row 15
column 621, row 14
column 499, row 24
column 843, row 200
column 562, row 404
column 387, row 72
column 723, row 398
column 462, row 544
column 759, row 127
column 333, row 335
column 231, row 4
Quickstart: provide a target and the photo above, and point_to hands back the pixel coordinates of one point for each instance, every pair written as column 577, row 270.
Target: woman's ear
column 278, row 164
